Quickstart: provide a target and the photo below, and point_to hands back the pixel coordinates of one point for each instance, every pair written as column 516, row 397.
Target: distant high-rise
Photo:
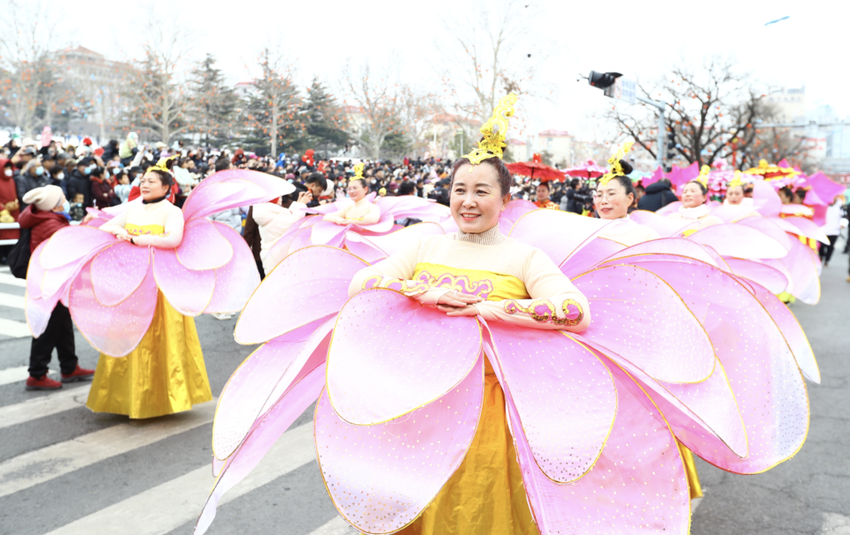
column 790, row 104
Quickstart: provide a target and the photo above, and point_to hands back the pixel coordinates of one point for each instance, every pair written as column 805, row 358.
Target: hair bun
column 627, row 167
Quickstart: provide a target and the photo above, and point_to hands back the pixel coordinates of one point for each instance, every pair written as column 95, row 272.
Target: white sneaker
column 223, row 317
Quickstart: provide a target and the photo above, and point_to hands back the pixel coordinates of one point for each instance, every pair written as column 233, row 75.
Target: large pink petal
column 638, row 316
column 395, row 241
column 361, row 248
column 763, row 274
column 792, row 331
column 739, row 241
column 768, row 228
column 72, row 244
column 563, row 393
column 669, row 246
column 35, row 273
column 591, row 254
column 187, row 290
column 327, row 233
column 203, row 246
column 38, row 312
column 808, row 229
column 802, row 264
column 545, row 229
column 666, row 227
column 367, row 386
column 385, row 224
column 298, row 236
column 254, row 187
column 236, row 280
column 309, row 284
column 118, row 271
column 768, row 386
column 262, row 379
column 765, row 199
column 260, row 440
column 113, row 330
column 638, row 485
column 381, row 477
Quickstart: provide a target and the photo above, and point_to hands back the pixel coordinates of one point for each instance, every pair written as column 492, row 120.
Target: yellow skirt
column 163, row 375
column 486, row 494
column 690, row 471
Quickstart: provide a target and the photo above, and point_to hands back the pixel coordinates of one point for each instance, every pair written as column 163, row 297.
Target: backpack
column 19, row 257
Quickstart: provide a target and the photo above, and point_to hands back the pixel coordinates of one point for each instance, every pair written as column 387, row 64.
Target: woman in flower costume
column 489, row 393
column 134, row 283
column 361, row 223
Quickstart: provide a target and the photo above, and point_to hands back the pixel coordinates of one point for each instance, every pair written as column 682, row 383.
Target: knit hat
column 45, row 198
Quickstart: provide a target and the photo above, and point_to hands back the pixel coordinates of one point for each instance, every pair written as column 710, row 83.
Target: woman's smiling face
column 476, row 198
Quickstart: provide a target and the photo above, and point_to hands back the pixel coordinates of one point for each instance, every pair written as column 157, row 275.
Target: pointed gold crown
column 493, row 142
column 160, row 165
column 614, row 163
column 358, row 171
column 703, row 175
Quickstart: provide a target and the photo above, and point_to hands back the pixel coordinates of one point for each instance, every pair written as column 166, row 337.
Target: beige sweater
column 519, row 283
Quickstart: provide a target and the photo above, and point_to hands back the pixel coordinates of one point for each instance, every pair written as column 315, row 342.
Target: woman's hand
column 457, row 300
column 468, row 310
column 121, row 234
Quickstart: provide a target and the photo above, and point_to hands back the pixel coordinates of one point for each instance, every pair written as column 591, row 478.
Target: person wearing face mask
column 101, row 187
column 31, row 176
column 9, row 205
column 80, row 180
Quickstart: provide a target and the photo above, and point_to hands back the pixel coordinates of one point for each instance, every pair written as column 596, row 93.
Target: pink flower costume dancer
column 134, row 284
column 360, row 223
column 482, row 397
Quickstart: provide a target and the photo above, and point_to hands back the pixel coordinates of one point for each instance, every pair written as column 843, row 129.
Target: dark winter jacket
column 102, row 193
column 79, row 183
column 43, row 224
column 658, row 195
column 25, row 182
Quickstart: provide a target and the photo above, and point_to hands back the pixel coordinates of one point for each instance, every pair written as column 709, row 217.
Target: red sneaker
column 80, row 374
column 42, row 383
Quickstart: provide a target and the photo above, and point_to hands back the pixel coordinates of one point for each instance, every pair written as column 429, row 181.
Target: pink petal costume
column 439, row 424
column 137, row 301
column 362, row 240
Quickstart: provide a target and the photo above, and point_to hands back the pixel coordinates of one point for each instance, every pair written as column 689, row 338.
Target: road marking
column 337, row 526
column 172, row 504
column 835, row 524
column 12, row 301
column 60, row 401
column 39, row 466
column 11, row 280
column 14, row 375
column 15, row 329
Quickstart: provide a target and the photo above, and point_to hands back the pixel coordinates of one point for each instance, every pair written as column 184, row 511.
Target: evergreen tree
column 322, row 118
column 212, row 104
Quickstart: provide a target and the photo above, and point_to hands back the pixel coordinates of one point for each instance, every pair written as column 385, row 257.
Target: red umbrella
column 588, row 170
column 536, row 169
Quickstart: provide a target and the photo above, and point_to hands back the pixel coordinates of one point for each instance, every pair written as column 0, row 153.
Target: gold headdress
column 736, row 181
column 703, row 175
column 161, row 164
column 493, row 142
column 358, row 171
column 614, row 163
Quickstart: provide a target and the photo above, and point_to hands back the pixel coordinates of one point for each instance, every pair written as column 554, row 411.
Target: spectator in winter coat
column 31, row 176
column 8, row 203
column 101, row 188
column 80, row 181
column 44, row 216
column 275, row 218
column 129, row 148
column 658, row 195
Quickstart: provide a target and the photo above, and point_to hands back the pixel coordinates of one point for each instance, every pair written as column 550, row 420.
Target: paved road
column 64, row 470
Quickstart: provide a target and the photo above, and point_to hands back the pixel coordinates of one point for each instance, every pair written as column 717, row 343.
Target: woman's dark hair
column 505, row 177
column 625, row 181
column 702, row 188
column 406, row 188
column 165, row 178
column 362, row 181
column 546, row 185
column 787, row 191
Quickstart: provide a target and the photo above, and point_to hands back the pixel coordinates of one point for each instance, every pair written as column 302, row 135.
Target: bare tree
column 157, row 92
column 379, row 106
column 712, row 112
column 27, row 36
column 487, row 54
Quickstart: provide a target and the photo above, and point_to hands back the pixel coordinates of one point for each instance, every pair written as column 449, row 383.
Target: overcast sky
column 640, row 39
